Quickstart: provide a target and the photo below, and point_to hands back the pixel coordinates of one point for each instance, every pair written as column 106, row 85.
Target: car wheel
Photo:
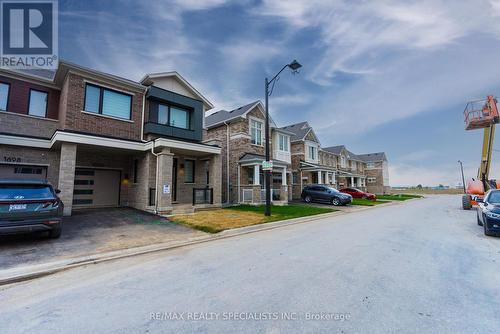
column 479, row 220
column 55, row 233
column 487, row 230
column 308, row 199
column 335, row 201
column 466, row 202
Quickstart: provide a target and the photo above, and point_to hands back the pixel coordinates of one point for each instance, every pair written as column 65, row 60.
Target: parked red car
column 356, row 193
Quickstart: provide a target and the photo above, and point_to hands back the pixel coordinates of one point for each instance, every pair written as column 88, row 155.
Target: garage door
column 23, row 172
column 96, row 188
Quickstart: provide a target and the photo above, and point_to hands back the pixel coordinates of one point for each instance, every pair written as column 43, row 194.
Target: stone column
column 164, row 174
column 67, row 176
column 320, row 181
column 216, row 178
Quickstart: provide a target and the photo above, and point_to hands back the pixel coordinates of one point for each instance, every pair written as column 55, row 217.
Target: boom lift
column 482, row 114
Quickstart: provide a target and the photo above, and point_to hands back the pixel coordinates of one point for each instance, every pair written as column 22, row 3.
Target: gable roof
column 337, row 150
column 372, row 157
column 222, row 116
column 300, row 131
column 148, row 80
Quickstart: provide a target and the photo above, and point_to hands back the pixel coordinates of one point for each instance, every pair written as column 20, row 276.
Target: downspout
column 143, row 110
column 156, row 176
column 228, row 201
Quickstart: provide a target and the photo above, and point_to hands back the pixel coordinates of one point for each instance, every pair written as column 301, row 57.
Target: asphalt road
column 419, row 267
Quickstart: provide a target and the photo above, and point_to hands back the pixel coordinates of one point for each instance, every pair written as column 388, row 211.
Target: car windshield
column 494, row 197
column 28, row 191
column 332, row 189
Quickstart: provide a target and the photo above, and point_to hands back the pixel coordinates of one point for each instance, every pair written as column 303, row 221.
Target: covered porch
column 348, row 180
column 251, row 181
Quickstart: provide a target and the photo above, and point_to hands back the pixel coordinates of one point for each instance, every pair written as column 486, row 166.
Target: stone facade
column 377, row 178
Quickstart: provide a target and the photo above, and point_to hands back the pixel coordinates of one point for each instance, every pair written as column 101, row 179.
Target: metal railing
column 275, row 195
column 203, row 196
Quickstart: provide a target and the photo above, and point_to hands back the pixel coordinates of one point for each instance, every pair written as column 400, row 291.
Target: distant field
column 426, row 191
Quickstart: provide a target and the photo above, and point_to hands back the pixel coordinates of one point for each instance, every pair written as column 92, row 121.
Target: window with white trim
column 312, row 152
column 370, row 165
column 342, row 161
column 371, row 179
column 283, row 142
column 256, row 132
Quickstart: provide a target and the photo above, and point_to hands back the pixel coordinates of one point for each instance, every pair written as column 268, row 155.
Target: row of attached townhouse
column 107, row 141
column 297, row 154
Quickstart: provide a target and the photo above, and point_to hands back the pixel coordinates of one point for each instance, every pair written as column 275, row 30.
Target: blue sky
column 389, row 76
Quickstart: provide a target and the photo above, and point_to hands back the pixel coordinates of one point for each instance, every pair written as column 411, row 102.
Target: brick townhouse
column 335, row 165
column 377, row 172
column 241, row 133
column 106, row 141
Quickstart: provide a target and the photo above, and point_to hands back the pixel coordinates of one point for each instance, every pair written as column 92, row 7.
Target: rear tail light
column 51, row 222
column 53, row 203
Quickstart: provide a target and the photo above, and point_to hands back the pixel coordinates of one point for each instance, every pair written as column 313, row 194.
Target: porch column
column 320, row 181
column 216, row 179
column 352, row 181
column 327, row 181
column 284, row 186
column 165, row 186
column 67, row 176
column 283, row 177
column 256, row 175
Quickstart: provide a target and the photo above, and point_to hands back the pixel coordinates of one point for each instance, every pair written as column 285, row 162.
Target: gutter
column 227, row 165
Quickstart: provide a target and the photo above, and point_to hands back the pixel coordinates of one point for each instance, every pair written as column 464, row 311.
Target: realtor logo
column 29, row 34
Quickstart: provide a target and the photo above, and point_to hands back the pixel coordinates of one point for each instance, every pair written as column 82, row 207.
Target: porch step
column 182, row 209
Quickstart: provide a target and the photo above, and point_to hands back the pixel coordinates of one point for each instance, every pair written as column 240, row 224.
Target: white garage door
column 96, row 188
column 22, row 172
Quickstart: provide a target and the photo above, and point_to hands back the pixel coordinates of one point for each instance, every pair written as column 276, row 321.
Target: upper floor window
column 353, row 165
column 283, row 142
column 342, row 162
column 256, row 132
column 107, row 102
column 173, row 116
column 4, row 95
column 38, row 103
column 312, row 152
column 370, row 165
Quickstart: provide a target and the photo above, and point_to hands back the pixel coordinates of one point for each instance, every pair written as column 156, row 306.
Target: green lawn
column 214, row 221
column 283, row 212
column 367, row 202
column 400, row 197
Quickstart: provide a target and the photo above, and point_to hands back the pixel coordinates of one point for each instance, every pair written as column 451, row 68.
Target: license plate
column 14, row 207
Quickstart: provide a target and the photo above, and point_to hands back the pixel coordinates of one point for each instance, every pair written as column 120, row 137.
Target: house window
column 370, row 165
column 283, row 142
column 4, row 96
column 107, row 102
column 172, row 116
column 163, row 114
column 342, row 162
column 295, row 178
column 353, row 165
column 256, row 132
column 179, row 118
column 312, row 152
column 38, row 103
column 371, row 180
column 188, row 171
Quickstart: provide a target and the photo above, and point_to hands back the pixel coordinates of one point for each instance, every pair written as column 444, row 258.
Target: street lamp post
column 463, row 179
column 294, row 66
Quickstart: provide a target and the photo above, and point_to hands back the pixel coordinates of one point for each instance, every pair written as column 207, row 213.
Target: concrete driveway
column 90, row 232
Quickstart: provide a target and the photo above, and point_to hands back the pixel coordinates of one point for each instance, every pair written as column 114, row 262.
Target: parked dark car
column 327, row 194
column 30, row 206
column 488, row 213
column 356, row 193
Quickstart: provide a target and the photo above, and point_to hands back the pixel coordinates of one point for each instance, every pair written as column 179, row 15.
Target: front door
column 174, row 181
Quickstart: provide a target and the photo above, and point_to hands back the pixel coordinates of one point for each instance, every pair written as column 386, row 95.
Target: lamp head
column 294, row 65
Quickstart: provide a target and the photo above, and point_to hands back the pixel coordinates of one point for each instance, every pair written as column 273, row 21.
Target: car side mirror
column 58, row 191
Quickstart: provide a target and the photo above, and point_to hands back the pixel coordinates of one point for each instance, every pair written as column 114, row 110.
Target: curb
column 17, row 275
